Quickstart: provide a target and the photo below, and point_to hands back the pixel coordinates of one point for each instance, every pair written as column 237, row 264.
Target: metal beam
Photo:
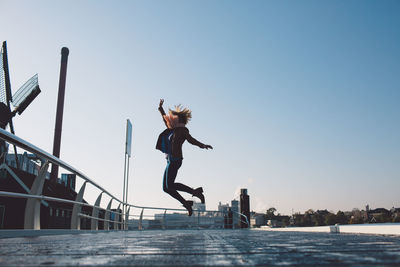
column 107, row 216
column 127, row 218
column 116, row 221
column 94, row 225
column 32, row 208
column 75, row 219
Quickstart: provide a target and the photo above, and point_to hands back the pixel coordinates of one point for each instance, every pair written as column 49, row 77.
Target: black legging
column 169, row 185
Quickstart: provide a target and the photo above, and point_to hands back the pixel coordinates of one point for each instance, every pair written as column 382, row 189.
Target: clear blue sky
column 298, row 98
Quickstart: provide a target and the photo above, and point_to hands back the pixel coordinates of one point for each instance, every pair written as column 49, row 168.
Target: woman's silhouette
column 170, row 142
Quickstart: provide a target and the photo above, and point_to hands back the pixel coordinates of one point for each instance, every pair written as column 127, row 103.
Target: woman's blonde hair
column 184, row 114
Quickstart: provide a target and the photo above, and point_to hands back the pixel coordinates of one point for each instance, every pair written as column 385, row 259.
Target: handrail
column 6, row 136
column 97, row 218
column 214, row 211
column 158, row 208
column 41, row 197
column 10, row 138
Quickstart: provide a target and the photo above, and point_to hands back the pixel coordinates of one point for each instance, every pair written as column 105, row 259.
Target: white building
column 199, row 206
column 223, row 207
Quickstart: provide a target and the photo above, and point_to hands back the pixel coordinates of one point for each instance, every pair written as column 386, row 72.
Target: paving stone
column 201, row 247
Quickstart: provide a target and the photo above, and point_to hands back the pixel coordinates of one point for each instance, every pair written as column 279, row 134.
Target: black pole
column 60, row 111
column 8, row 94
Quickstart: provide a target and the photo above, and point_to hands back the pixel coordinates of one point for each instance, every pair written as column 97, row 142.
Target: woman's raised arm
column 160, row 108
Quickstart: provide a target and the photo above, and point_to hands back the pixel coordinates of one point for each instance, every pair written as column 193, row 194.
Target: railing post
column 107, row 216
column 32, row 208
column 116, row 220
column 95, row 214
column 75, row 219
column 127, row 219
column 164, row 225
column 141, row 220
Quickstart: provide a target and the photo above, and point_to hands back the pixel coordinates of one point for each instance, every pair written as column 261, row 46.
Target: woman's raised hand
column 207, row 147
column 161, row 103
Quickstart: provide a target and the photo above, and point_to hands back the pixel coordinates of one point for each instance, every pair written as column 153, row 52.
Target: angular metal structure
column 76, row 210
column 32, row 208
column 26, row 94
column 95, row 214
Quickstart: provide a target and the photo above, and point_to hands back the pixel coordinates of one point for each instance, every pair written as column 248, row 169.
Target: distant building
column 175, row 220
column 234, row 217
column 68, row 180
column 26, row 162
column 235, row 213
column 133, row 224
column 228, row 219
column 113, row 214
column 226, row 212
column 199, row 206
column 244, row 207
column 257, row 219
column 395, row 214
column 53, row 214
column 223, row 207
column 182, row 221
column 379, row 215
column 155, row 224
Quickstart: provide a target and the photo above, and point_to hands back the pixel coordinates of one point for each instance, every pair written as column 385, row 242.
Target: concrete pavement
column 200, row 247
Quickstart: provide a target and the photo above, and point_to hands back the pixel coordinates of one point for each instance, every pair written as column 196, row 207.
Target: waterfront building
column 231, row 213
column 175, row 220
column 223, row 207
column 235, row 214
column 68, row 180
column 257, row 219
column 199, row 206
column 27, row 162
column 53, row 215
column 182, row 221
column 244, row 207
column 113, row 214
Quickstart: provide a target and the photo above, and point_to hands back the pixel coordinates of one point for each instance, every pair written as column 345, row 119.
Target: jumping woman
column 170, row 142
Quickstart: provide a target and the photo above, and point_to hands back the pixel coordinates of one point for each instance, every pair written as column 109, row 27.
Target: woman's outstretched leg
column 183, row 188
column 198, row 192
column 169, row 185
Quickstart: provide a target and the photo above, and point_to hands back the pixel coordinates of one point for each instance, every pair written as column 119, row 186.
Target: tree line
column 324, row 217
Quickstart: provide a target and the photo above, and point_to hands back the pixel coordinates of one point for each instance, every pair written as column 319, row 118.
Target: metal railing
column 200, row 219
column 34, row 198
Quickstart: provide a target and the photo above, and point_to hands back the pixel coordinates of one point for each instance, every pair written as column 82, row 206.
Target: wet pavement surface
column 201, row 247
